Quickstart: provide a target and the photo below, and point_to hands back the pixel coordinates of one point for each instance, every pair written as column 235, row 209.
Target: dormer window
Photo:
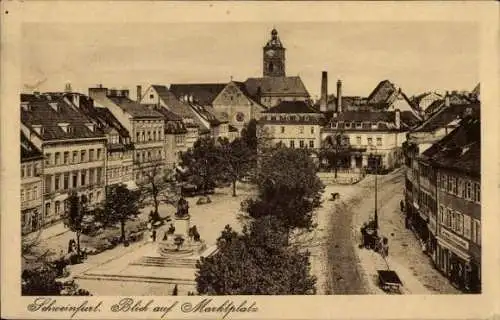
column 347, row 125
column 359, row 125
column 333, row 125
column 64, row 126
column 90, row 126
column 54, row 106
column 374, row 125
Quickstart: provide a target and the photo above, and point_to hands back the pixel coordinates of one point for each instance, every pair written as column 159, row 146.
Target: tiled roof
column 292, row 107
column 276, row 86
column 173, row 123
column 203, row 93
column 434, row 107
column 174, row 104
column 28, row 150
column 382, row 92
column 460, row 150
column 446, row 115
column 205, row 113
column 133, row 108
column 385, row 120
column 43, row 112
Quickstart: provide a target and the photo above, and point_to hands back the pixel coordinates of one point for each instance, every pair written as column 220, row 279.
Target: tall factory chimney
column 323, row 102
column 139, row 94
column 339, row 96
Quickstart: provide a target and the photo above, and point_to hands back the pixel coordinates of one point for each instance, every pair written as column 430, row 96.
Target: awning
column 453, row 249
column 131, row 185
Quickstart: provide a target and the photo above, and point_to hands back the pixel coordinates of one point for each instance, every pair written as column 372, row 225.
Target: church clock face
column 240, row 117
column 270, row 53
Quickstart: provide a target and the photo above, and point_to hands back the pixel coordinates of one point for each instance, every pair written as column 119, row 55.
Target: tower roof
column 275, row 41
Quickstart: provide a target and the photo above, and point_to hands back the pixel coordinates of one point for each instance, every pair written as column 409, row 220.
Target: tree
column 203, row 163
column 288, row 188
column 121, row 205
column 43, row 282
column 76, row 210
column 333, row 149
column 238, row 159
column 249, row 134
column 157, row 183
column 255, row 263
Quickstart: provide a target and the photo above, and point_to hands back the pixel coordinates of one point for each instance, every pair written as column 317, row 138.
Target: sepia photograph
column 247, row 158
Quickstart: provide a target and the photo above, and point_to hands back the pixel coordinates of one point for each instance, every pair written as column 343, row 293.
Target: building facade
column 146, row 128
column 293, row 124
column 74, row 152
column 31, row 186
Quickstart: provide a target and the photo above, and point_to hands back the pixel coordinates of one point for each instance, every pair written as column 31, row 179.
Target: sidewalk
column 48, row 232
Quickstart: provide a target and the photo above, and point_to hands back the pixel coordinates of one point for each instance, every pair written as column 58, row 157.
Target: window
column 74, row 179
column 441, row 215
column 301, row 129
column 75, row 156
column 358, row 125
column 151, row 96
column 99, row 154
column 57, row 181
column 66, row 157
column 282, row 129
column 82, row 156
column 22, row 171
column 138, row 136
column 468, row 191
column 98, row 196
column 91, row 155
column 66, row 181
column 98, row 175
column 379, row 141
column 35, row 192
column 143, row 137
column 301, row 143
column 312, row 130
column 467, row 226
column 449, row 218
column 82, row 178
column 460, row 223
column 477, row 192
column 48, row 159
column 460, row 188
column 154, row 135
column 311, row 143
column 454, row 185
column 358, row 140
column 57, row 207
column 47, row 209
column 292, row 144
column 91, row 197
column 449, row 185
column 476, row 231
column 22, row 195
column 36, row 170
column 370, row 141
column 443, row 181
column 347, row 125
column 91, row 176
column 58, row 158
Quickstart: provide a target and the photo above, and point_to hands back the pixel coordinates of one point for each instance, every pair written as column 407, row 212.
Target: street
column 351, row 270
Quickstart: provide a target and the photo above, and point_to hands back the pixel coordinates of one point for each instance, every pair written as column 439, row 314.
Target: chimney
column 139, row 93
column 447, row 99
column 339, row 96
column 397, row 118
column 323, row 102
column 67, row 88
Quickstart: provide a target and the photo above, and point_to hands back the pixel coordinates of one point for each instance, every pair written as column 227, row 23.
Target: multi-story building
column 373, row 139
column 160, row 95
column 145, row 125
column 420, row 178
column 293, row 124
column 31, row 186
column 74, row 151
column 456, row 162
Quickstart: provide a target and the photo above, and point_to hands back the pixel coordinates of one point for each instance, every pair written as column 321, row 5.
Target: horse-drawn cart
column 389, row 281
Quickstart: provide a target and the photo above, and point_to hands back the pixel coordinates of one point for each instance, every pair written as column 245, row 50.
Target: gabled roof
column 382, row 92
column 385, row 120
column 106, row 119
column 203, row 93
column 175, row 105
column 292, row 107
column 28, row 150
column 275, row 86
column 460, row 150
column 135, row 109
column 173, row 123
column 446, row 115
column 43, row 112
column 434, row 107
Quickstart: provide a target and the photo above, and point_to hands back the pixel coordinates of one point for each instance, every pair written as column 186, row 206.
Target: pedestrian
column 154, row 235
column 402, row 205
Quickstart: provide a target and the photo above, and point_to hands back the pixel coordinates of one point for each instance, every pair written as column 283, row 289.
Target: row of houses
column 443, row 191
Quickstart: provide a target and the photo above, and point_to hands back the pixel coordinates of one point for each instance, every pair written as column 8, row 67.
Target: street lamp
column 376, row 171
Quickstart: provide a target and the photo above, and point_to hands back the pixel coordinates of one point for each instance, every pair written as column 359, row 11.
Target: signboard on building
column 454, row 239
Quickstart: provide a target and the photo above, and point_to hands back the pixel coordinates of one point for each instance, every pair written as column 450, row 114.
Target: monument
column 180, row 239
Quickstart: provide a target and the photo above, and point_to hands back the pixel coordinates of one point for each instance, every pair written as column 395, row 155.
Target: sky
column 416, row 56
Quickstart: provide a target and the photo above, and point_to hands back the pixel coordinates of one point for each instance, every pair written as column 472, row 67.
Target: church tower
column 274, row 57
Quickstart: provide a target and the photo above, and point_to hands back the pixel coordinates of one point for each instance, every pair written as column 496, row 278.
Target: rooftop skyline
column 416, row 56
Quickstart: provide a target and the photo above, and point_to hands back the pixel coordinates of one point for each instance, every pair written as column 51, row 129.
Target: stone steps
column 133, row 278
column 167, row 262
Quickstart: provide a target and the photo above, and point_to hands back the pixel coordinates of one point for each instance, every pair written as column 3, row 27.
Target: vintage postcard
column 249, row 160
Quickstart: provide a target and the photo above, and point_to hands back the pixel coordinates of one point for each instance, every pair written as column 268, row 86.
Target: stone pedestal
column 182, row 226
